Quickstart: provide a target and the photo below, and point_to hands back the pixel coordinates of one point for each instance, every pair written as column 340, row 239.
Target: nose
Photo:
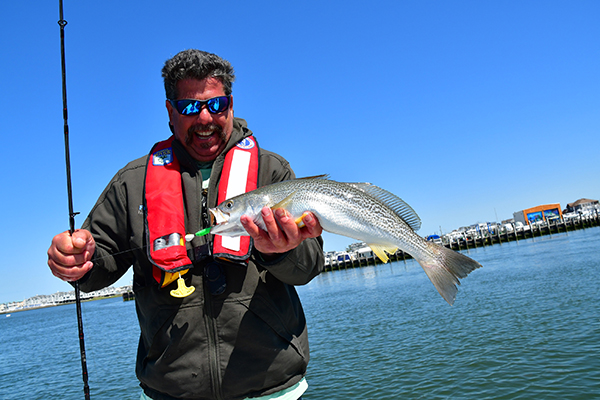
column 205, row 117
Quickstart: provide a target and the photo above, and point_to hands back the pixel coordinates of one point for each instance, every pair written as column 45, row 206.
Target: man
column 218, row 320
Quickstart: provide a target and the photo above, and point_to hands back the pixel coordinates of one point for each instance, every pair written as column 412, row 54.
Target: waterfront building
column 541, row 213
column 583, row 205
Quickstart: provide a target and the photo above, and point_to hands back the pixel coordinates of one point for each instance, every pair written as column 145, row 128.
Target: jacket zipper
column 211, row 326
column 204, row 209
column 213, row 351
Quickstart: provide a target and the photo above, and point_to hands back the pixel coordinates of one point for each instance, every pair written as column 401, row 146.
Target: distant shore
column 57, row 305
column 62, row 298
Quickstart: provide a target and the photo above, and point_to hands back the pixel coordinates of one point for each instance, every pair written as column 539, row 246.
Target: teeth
column 219, row 216
column 203, row 134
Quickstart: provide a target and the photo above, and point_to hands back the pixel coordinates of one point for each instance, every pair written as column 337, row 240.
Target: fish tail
column 445, row 268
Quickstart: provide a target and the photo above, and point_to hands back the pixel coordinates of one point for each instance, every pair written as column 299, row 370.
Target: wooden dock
column 487, row 239
column 129, row 295
column 534, row 230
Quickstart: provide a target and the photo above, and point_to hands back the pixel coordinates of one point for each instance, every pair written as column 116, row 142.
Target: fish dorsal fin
column 394, row 202
column 380, row 251
column 323, row 176
column 284, row 203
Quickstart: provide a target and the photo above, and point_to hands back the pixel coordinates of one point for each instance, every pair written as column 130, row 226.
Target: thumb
column 81, row 238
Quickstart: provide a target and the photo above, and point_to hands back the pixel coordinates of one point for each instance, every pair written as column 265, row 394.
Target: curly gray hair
column 199, row 65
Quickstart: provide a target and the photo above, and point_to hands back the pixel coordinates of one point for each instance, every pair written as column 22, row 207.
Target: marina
column 478, row 235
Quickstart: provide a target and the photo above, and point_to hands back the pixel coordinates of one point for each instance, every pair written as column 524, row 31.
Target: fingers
column 286, row 231
column 69, row 274
column 248, row 224
column 282, row 233
column 312, row 226
column 69, row 255
column 263, row 241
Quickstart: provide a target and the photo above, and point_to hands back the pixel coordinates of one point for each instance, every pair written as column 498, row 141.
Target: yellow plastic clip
column 300, row 221
column 182, row 290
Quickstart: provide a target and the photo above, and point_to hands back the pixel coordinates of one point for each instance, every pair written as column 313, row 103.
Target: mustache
column 214, row 128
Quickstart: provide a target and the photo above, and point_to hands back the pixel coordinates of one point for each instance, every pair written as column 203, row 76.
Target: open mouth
column 217, row 216
column 203, row 135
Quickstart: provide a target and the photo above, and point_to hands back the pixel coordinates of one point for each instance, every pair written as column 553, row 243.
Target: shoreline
column 16, row 310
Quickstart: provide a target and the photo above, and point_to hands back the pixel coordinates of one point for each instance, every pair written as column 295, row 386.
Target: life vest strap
column 240, row 175
column 164, row 208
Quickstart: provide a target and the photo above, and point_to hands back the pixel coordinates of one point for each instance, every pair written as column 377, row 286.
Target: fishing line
column 188, row 238
column 62, row 23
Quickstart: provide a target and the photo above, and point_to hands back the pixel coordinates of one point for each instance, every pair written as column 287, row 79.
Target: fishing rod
column 62, row 23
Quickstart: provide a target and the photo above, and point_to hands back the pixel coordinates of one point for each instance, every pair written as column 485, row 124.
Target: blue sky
column 468, row 110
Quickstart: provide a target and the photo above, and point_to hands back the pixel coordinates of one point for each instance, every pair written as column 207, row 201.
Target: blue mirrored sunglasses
column 216, row 105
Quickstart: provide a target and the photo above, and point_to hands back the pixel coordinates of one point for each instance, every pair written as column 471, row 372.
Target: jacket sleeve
column 109, row 224
column 300, row 265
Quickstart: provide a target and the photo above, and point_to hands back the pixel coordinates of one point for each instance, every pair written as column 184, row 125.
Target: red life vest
column 163, row 194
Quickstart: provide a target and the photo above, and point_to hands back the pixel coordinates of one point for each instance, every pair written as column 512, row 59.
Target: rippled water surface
column 525, row 326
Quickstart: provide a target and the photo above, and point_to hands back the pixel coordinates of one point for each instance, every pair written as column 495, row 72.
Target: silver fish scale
column 343, row 209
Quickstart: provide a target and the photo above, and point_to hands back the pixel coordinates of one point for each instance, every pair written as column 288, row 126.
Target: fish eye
column 229, row 204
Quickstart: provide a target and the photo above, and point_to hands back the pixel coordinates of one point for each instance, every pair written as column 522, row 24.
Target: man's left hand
column 282, row 237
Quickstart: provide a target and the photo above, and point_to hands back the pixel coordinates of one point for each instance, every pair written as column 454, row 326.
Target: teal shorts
column 291, row 393
column 144, row 397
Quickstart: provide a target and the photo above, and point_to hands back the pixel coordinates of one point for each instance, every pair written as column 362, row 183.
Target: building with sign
column 537, row 214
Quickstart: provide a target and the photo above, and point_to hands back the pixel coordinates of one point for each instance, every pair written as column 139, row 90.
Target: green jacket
column 249, row 341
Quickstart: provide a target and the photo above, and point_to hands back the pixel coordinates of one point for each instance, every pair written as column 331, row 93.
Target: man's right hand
column 69, row 256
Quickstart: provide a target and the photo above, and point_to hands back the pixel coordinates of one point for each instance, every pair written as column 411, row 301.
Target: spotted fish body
column 358, row 210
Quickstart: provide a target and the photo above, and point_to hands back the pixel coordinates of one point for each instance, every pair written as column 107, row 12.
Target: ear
column 170, row 109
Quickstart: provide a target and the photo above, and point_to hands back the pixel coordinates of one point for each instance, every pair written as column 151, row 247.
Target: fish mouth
column 218, row 217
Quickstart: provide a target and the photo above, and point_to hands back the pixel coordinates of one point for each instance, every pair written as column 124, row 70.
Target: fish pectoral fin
column 284, row 203
column 380, row 251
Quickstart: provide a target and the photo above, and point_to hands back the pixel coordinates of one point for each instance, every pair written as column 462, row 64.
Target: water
column 525, row 326
column 39, row 352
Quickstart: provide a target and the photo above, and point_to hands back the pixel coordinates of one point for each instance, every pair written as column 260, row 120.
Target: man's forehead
column 200, row 85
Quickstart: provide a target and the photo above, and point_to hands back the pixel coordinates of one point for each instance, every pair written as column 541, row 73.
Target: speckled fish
column 358, row 210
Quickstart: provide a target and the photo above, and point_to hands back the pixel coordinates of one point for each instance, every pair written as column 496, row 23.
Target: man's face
column 204, row 135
